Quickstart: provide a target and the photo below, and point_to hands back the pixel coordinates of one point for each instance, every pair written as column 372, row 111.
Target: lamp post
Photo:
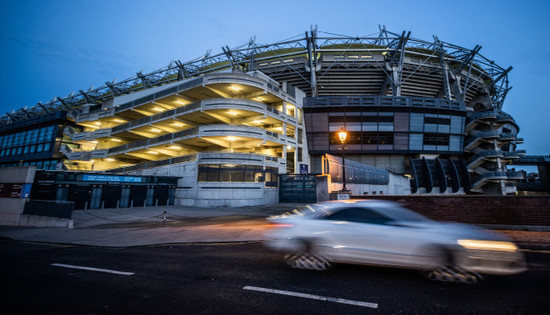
column 342, row 134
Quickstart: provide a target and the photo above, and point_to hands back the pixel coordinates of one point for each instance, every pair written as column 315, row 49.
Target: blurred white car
column 383, row 233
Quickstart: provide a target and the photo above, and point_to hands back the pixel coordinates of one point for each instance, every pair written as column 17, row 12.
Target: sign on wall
column 15, row 190
column 111, row 178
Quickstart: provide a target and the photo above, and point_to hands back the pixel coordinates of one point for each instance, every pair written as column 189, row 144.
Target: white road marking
column 313, row 297
column 124, row 273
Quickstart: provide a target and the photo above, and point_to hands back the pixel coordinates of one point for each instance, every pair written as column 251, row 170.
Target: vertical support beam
column 182, row 71
column 43, row 107
column 112, row 87
column 444, row 69
column 428, row 176
column 312, row 55
column 144, row 80
column 395, row 65
column 251, row 52
column 88, row 99
column 414, row 174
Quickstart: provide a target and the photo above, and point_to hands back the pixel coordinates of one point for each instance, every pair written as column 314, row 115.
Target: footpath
column 145, row 226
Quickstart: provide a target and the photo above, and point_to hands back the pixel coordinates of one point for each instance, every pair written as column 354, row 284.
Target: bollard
column 164, row 219
column 132, row 203
column 86, row 205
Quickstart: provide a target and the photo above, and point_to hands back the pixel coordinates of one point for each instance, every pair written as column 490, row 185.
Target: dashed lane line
column 116, row 272
column 312, row 296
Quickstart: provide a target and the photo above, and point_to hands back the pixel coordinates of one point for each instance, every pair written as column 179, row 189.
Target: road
column 241, row 278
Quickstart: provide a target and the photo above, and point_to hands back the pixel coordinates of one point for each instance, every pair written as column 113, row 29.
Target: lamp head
column 342, row 134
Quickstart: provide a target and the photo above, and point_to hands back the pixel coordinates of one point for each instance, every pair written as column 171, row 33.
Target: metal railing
column 379, row 100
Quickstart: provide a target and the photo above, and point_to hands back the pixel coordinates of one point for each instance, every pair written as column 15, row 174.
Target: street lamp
column 342, row 134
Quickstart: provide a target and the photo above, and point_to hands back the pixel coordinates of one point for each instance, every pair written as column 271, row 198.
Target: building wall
column 398, row 185
column 34, row 142
column 385, row 125
column 192, row 191
column 502, row 210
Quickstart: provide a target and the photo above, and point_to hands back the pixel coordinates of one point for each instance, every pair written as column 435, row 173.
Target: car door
column 359, row 235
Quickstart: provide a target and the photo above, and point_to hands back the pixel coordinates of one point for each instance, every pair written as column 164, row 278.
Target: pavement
column 145, row 226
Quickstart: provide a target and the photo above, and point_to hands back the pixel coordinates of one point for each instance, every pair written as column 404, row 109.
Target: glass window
column 358, row 215
column 436, row 139
column 213, row 174
column 457, row 126
column 415, row 141
column 225, row 174
column 49, row 133
column 237, row 175
column 417, row 122
column 40, row 147
column 9, row 141
column 455, row 143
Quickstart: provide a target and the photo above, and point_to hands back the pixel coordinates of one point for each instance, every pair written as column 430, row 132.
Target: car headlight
column 488, row 245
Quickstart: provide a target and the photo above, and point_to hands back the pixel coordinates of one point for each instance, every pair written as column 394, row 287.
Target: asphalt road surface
column 241, row 278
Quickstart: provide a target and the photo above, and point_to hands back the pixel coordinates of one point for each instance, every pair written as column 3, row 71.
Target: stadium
column 422, row 117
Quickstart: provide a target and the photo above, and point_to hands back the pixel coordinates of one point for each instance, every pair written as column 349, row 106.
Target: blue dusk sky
column 52, row 48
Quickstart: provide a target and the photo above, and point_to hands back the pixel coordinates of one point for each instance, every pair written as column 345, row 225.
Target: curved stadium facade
column 230, row 124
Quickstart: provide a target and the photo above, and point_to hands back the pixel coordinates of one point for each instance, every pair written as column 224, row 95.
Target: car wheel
column 447, row 271
column 307, row 259
column 453, row 274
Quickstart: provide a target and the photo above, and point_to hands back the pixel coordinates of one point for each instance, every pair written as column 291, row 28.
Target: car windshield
column 308, row 210
column 402, row 214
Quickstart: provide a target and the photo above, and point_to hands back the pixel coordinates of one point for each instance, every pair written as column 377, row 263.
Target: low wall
column 42, row 221
column 10, row 210
column 48, row 208
column 500, row 210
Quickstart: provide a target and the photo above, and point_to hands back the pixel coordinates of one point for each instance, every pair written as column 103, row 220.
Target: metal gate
column 297, row 188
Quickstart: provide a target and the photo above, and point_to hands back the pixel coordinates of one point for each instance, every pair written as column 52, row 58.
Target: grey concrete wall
column 12, row 208
column 323, row 183
column 398, row 185
column 17, row 175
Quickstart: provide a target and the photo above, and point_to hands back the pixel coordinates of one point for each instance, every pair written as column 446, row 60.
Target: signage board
column 111, row 178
